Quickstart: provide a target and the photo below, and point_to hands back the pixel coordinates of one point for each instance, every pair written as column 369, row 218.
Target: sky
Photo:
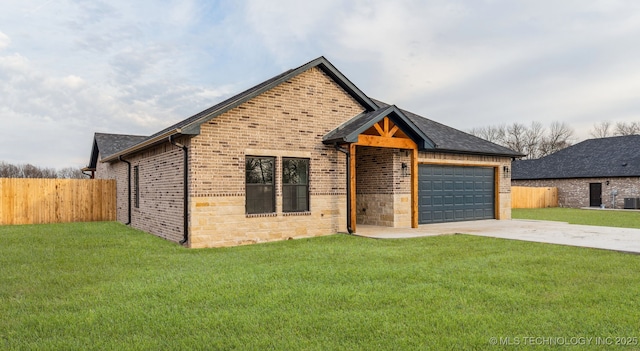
column 70, row 68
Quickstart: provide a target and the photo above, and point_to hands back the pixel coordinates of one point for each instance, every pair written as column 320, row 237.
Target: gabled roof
column 349, row 131
column 108, row 144
column 426, row 133
column 191, row 125
column 593, row 158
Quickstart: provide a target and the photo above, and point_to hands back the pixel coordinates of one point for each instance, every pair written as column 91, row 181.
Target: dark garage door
column 450, row 193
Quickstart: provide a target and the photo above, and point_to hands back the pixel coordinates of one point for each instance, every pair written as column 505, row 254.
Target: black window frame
column 291, row 197
column 136, row 186
column 257, row 186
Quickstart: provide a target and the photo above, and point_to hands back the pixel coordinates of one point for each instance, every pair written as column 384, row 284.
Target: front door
column 595, row 194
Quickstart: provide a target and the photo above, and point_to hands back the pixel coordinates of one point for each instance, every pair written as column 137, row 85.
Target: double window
column 260, row 178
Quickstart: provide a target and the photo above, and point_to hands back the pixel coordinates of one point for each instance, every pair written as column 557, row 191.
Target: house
column 305, row 153
column 594, row 172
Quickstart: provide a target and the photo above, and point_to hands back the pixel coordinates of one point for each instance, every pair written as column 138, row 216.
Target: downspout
column 185, row 191
column 128, row 188
column 346, row 152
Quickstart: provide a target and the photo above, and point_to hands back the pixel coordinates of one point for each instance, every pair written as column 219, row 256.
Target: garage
column 455, row 193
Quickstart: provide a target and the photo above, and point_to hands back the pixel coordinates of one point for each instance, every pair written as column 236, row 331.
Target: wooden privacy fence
column 529, row 197
column 35, row 201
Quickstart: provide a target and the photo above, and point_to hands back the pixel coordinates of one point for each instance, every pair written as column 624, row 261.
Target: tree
column 495, row 134
column 558, row 138
column 601, row 130
column 71, row 173
column 631, row 128
column 533, row 140
column 8, row 170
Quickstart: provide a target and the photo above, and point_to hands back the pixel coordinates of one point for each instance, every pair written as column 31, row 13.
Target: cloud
column 4, row 41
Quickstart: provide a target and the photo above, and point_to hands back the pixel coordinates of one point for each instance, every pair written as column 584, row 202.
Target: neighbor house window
column 260, row 187
column 136, row 186
column 295, row 184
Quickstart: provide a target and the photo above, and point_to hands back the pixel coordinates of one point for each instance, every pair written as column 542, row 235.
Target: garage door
column 449, row 193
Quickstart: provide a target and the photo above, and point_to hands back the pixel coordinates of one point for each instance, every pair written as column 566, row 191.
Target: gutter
column 348, row 154
column 128, row 188
column 185, row 191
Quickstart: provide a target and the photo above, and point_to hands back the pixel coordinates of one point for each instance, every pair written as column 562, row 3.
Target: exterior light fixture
column 405, row 170
column 506, row 171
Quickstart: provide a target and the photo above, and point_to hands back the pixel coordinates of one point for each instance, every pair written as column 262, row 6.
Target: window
column 260, row 189
column 295, row 184
column 136, row 186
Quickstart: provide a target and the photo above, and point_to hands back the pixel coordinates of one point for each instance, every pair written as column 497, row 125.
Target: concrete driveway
column 608, row 238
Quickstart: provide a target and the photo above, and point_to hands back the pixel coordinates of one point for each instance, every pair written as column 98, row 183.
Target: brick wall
column 160, row 186
column 575, row 192
column 289, row 120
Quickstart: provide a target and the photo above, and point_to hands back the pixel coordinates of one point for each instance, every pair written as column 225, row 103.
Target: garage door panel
column 451, row 193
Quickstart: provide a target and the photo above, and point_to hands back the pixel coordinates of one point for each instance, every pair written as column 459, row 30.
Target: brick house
column 305, row 153
column 592, row 173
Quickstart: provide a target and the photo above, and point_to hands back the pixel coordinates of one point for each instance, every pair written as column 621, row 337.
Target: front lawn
column 607, row 218
column 104, row 286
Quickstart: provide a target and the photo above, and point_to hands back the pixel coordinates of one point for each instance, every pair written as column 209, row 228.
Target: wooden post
column 414, row 188
column 352, row 179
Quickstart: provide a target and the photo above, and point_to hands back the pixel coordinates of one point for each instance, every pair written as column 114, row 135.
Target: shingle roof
column 108, row 144
column 447, row 139
column 191, row 125
column 593, row 158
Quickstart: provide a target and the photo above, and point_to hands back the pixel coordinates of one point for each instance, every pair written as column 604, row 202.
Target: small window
column 136, row 186
column 295, row 184
column 260, row 189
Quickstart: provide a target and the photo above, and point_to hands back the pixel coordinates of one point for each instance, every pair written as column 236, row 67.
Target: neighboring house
column 592, row 173
column 305, row 153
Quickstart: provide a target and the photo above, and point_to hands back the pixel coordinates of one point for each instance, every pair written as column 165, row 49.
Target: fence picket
column 36, row 201
column 532, row 197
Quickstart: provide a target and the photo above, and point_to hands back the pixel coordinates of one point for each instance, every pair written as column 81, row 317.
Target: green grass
column 607, row 218
column 104, row 286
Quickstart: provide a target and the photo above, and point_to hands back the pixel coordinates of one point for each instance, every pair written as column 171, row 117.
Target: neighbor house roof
column 108, row 144
column 594, row 158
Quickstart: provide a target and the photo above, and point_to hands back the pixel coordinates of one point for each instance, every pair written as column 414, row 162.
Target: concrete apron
column 608, row 238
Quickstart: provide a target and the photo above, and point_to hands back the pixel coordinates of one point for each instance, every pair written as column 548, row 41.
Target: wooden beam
column 379, row 141
column 414, row 188
column 393, row 131
column 496, row 192
column 386, row 127
column 352, row 179
column 378, row 128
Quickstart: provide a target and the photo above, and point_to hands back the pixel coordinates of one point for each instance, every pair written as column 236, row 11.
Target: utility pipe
column 128, row 188
column 185, row 191
column 348, row 154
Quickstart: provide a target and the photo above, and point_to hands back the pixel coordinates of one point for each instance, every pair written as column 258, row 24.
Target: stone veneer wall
column 575, row 192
